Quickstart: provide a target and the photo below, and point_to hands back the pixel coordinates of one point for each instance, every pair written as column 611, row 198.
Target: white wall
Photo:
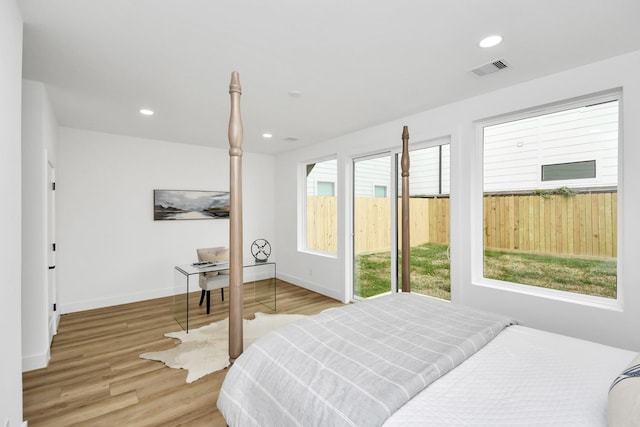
column 39, row 145
column 110, row 250
column 332, row 276
column 10, row 220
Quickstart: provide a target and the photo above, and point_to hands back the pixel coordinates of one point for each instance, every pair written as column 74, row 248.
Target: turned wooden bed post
column 406, row 241
column 235, row 224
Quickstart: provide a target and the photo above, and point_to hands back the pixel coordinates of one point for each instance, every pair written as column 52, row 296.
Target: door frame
column 53, row 316
column 392, row 155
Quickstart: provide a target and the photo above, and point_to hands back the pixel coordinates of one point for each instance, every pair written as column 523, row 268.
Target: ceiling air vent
column 491, row 67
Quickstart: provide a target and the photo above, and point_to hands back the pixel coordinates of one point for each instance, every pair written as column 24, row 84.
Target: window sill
column 319, row 253
column 612, row 304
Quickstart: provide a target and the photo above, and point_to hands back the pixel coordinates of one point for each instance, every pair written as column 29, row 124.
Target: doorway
column 429, row 186
column 373, row 265
column 377, row 224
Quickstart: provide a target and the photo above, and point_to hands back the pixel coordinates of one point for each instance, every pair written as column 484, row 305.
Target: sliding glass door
column 429, row 220
column 373, row 193
column 377, row 221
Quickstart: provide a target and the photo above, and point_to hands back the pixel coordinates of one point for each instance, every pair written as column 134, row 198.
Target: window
column 379, row 191
column 325, row 188
column 321, row 209
column 556, row 229
column 574, row 170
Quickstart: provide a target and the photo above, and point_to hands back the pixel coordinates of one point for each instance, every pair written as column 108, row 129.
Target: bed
column 523, row 377
column 390, row 361
column 410, row 360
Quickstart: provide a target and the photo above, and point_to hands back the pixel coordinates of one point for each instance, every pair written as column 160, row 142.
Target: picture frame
column 172, row 205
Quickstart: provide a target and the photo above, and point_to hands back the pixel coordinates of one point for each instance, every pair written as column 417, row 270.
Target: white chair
column 214, row 279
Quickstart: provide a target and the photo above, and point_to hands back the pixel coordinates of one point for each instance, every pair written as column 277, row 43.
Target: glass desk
column 185, row 278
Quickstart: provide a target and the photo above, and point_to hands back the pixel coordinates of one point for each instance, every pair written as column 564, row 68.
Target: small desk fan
column 261, row 249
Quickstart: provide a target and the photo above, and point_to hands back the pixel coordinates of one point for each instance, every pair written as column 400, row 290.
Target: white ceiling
column 357, row 63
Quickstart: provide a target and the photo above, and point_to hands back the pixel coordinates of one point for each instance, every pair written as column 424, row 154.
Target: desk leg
column 181, row 299
column 264, row 284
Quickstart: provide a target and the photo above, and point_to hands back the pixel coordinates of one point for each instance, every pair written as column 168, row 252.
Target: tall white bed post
column 235, row 225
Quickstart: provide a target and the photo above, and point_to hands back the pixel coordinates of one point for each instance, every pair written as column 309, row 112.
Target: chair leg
column 208, row 301
column 222, row 293
column 202, row 296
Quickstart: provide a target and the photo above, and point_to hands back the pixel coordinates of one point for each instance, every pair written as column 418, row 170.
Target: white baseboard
column 36, row 361
column 72, row 307
column 258, row 272
column 315, row 287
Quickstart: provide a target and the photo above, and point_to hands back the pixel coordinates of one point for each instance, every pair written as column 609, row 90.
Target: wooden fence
column 581, row 224
column 429, row 223
column 322, row 223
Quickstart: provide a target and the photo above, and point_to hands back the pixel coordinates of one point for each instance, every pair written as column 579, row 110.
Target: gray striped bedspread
column 354, row 365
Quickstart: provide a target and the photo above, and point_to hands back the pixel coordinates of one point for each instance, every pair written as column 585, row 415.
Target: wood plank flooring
column 95, row 377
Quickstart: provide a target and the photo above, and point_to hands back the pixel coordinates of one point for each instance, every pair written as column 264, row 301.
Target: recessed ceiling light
column 146, row 112
column 267, row 135
column 490, row 41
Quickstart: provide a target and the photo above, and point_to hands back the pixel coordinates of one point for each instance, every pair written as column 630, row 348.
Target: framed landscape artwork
column 190, row 204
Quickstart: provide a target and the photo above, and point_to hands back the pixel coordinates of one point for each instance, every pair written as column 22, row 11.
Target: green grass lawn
column 430, row 272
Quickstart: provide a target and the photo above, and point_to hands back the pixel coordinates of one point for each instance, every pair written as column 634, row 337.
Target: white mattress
column 523, row 377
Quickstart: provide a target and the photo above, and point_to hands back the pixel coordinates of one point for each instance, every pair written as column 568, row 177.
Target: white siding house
column 519, row 155
column 429, row 176
column 516, row 152
column 321, row 179
column 372, row 178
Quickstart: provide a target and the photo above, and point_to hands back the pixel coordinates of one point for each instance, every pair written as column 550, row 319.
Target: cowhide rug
column 205, row 350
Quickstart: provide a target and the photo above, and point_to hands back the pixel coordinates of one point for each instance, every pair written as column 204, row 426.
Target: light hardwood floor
column 95, row 377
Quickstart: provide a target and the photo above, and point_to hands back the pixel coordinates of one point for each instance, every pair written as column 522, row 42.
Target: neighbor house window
column 321, row 213
column 557, row 229
column 326, row 189
column 379, row 191
column 573, row 170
